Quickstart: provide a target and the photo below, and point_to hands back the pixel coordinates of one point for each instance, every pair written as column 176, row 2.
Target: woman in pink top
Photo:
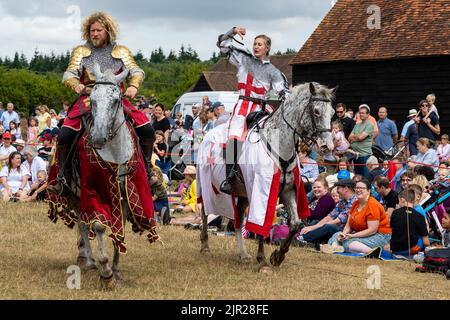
column 443, row 150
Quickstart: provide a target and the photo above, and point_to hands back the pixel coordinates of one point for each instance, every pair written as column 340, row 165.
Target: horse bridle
column 306, row 136
column 113, row 133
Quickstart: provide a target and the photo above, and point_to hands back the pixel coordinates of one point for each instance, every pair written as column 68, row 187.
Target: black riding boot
column 231, row 155
column 146, row 144
column 64, row 180
column 226, row 186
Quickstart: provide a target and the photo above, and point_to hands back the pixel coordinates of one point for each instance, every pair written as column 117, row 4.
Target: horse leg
column 289, row 200
column 106, row 274
column 125, row 211
column 264, row 267
column 204, row 233
column 241, row 250
column 85, row 259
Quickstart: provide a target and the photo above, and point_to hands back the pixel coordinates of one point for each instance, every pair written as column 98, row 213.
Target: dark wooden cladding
column 398, row 84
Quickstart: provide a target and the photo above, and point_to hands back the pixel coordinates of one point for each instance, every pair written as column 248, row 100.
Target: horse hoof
column 118, row 276
column 108, row 283
column 276, row 258
column 205, row 250
column 265, row 269
column 246, row 259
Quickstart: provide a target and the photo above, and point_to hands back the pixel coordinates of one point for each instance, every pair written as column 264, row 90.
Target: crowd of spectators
column 358, row 201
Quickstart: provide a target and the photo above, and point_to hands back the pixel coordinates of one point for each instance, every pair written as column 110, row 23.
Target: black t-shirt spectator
column 162, row 147
column 391, row 200
column 163, row 125
column 424, row 130
column 399, row 225
column 347, row 123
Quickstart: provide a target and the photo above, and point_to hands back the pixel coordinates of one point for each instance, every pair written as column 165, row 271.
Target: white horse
column 304, row 116
column 111, row 138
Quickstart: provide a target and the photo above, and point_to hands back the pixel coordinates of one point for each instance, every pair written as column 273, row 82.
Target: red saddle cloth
column 100, row 199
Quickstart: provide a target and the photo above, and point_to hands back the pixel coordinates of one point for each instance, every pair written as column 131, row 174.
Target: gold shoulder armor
column 124, row 54
column 78, row 54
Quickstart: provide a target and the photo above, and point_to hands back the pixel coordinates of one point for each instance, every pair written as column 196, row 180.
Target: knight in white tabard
column 256, row 78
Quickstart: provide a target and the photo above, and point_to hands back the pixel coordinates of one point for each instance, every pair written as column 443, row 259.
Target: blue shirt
column 342, row 210
column 406, row 126
column 428, row 158
column 386, row 129
column 310, row 170
column 7, row 117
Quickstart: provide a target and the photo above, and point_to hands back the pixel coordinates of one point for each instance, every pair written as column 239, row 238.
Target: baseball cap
column 343, row 175
column 346, row 183
column 215, row 105
column 196, row 105
column 412, row 113
column 6, row 135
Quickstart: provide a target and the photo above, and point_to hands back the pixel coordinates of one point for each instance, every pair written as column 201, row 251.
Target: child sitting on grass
column 408, row 226
column 37, row 190
column 159, row 195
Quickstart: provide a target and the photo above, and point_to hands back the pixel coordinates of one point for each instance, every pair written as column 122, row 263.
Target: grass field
column 35, row 255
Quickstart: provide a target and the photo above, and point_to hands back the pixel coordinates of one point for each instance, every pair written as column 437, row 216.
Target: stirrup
column 226, row 186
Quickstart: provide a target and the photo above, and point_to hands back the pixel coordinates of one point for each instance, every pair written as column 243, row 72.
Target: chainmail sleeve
column 237, row 55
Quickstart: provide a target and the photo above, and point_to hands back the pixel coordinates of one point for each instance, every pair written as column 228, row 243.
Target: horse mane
column 321, row 90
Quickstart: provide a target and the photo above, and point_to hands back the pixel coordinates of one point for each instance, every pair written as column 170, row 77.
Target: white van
column 184, row 104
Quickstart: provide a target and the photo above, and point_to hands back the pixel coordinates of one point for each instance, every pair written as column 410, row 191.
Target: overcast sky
column 54, row 25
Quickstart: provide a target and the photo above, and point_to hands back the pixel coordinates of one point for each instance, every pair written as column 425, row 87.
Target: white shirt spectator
column 37, row 165
column 6, row 151
column 14, row 177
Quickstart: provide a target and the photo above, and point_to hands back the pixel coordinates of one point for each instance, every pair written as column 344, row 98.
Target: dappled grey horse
column 112, row 141
column 305, row 116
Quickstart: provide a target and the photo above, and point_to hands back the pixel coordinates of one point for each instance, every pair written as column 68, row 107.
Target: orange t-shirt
column 373, row 211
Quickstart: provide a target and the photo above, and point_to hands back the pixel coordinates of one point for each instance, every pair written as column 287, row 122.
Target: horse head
column 313, row 118
column 106, row 102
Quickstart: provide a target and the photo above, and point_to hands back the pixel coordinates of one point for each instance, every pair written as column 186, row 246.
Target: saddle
column 254, row 117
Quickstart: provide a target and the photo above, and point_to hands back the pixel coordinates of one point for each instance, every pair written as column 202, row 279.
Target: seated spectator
column 335, row 220
column 14, row 178
column 408, row 227
column 367, row 227
column 443, row 150
column 45, row 151
column 33, row 163
column 189, row 203
column 443, row 175
column 389, row 196
column 422, row 182
column 6, row 148
column 343, row 167
column 159, row 195
column 323, row 203
column 335, row 195
column 15, row 130
column 310, row 169
column 418, row 192
column 374, row 168
column 426, row 155
column 38, row 189
column 406, row 179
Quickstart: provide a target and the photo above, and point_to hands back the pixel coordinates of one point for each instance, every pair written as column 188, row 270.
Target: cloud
column 52, row 25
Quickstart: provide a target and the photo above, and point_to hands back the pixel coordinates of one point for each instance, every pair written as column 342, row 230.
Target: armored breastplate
column 102, row 56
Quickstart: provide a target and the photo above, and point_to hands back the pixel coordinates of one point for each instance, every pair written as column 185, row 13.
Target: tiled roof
column 409, row 28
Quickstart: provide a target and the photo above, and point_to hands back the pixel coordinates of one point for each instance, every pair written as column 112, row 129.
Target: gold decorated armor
column 72, row 76
column 124, row 54
column 77, row 56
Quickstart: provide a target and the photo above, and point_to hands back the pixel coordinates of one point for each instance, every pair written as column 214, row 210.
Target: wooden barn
column 222, row 76
column 382, row 52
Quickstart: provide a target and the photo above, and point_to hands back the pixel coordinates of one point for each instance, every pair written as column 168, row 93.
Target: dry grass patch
column 35, row 255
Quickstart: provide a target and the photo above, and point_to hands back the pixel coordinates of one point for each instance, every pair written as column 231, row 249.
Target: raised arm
column 226, row 46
